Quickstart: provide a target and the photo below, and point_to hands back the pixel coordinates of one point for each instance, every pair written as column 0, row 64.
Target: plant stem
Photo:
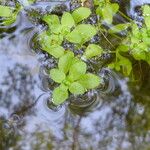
column 123, row 15
column 106, row 38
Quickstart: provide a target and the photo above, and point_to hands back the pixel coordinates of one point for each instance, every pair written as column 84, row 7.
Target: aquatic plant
column 135, row 44
column 9, row 14
column 71, row 28
column 68, row 28
column 71, row 71
column 72, row 76
column 139, row 38
column 121, row 63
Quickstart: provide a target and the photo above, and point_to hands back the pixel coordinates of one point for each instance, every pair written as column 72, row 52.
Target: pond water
column 116, row 117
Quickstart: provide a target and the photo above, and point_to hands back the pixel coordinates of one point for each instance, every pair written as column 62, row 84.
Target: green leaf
column 65, row 30
column 51, row 44
column 146, row 40
column 76, row 70
column 89, row 81
column 146, row 14
column 111, row 65
column 118, row 28
column 6, row 11
column 55, row 50
column 143, row 47
column 93, row 50
column 98, row 2
column 60, row 94
column 138, row 54
column 86, row 31
column 123, row 48
column 81, row 34
column 146, row 10
column 48, row 40
column 51, row 20
column 67, row 20
column 56, row 29
column 81, row 13
column 9, row 21
column 76, row 88
column 53, row 23
column 125, row 63
column 114, row 8
column 126, row 66
column 65, row 61
column 108, row 12
column 44, row 39
column 56, row 39
column 135, row 30
column 57, row 75
column 74, row 37
column 148, row 58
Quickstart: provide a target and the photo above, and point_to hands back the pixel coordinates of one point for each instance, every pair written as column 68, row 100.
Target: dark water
column 114, row 117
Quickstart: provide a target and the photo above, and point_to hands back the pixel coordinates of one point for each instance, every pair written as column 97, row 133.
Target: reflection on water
column 116, row 116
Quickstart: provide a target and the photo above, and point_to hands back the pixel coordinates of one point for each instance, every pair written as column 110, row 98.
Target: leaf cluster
column 71, row 71
column 72, row 77
column 136, row 43
column 9, row 14
column 66, row 28
column 139, row 38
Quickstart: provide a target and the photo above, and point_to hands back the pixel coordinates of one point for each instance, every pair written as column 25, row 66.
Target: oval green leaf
column 6, row 11
column 47, row 41
column 67, row 20
column 57, row 75
column 119, row 27
column 108, row 12
column 76, row 70
column 60, row 94
column 74, row 37
column 81, row 13
column 146, row 14
column 76, row 88
column 65, row 61
column 89, row 81
column 81, row 34
column 51, row 20
column 93, row 50
column 55, row 50
column 86, row 31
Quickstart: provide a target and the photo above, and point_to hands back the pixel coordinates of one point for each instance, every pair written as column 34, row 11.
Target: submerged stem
column 123, row 15
column 106, row 38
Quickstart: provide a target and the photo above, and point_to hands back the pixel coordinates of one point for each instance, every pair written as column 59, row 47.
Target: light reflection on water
column 28, row 123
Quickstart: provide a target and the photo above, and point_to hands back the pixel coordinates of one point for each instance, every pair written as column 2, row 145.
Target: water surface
column 115, row 117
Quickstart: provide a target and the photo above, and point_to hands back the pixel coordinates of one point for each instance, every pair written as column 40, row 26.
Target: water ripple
column 110, row 81
column 44, row 111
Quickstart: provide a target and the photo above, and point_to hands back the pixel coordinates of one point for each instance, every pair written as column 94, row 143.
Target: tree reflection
column 109, row 126
column 138, row 118
column 16, row 98
column 17, row 90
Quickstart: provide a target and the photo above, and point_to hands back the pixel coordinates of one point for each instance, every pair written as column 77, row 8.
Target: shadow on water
column 113, row 117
